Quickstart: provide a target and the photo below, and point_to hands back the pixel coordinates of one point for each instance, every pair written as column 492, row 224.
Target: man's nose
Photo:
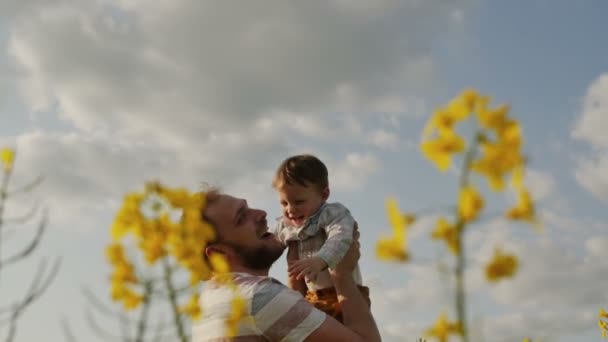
column 260, row 214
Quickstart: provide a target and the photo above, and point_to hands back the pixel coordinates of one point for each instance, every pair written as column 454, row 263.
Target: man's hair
column 302, row 169
column 212, row 194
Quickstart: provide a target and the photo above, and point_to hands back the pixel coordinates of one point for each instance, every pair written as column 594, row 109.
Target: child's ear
column 325, row 193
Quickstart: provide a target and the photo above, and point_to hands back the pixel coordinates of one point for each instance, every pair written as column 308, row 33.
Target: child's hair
column 301, row 169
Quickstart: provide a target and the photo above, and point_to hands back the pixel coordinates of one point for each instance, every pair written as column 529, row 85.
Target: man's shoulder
column 277, row 312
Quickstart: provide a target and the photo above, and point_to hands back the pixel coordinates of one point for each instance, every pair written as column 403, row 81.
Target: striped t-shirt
column 277, row 313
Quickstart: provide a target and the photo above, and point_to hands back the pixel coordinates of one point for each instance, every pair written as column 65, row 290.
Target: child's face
column 300, row 202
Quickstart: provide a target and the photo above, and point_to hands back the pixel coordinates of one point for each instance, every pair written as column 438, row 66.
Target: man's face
column 245, row 231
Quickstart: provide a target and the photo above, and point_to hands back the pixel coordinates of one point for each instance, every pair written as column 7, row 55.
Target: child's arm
column 338, row 224
column 293, row 282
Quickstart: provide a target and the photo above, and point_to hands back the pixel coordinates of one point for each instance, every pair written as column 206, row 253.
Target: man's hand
column 309, row 267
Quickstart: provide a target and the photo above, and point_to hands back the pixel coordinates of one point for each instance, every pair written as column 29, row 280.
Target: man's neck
column 241, row 269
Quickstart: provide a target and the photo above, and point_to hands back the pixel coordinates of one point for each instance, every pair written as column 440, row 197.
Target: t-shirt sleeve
column 282, row 314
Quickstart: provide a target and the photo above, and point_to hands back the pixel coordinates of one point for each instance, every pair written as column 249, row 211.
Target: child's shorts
column 326, row 300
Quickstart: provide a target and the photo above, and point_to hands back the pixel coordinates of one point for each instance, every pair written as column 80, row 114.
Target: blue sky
column 99, row 96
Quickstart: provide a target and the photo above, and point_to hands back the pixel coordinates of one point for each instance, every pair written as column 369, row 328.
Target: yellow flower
column 497, row 160
column 218, row 263
column 440, row 149
column 115, row 253
column 239, row 312
column 502, row 266
column 192, row 308
column 444, row 119
column 492, row 119
column 510, row 134
column 153, row 247
column 7, row 156
column 394, row 248
column 470, row 203
column 131, row 299
column 603, row 327
column 391, row 249
column 523, row 209
column 449, row 233
column 470, row 98
column 517, row 177
column 398, row 221
column 124, row 273
column 443, row 328
column 117, row 291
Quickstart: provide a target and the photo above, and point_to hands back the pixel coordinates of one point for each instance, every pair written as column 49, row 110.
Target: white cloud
column 190, row 91
column 350, row 173
column 593, row 121
column 592, row 175
column 592, row 172
column 383, row 139
column 189, row 69
column 541, row 184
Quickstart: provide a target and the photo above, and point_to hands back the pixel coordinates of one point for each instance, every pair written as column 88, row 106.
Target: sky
column 100, row 96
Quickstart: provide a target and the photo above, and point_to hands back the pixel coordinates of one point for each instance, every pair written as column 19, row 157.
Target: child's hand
column 306, row 268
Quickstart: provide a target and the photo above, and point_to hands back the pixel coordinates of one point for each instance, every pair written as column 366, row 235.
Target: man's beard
column 260, row 258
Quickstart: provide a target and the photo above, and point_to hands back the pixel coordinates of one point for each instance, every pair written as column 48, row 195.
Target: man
column 277, row 313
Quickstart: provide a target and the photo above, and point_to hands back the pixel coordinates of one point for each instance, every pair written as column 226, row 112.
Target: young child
column 318, row 233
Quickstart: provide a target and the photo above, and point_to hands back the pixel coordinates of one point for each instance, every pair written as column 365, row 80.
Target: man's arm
column 359, row 324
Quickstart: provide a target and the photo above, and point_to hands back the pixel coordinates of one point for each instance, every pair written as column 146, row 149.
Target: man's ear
column 213, row 249
column 325, row 193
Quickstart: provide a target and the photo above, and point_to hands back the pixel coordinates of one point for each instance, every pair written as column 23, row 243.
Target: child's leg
column 326, row 300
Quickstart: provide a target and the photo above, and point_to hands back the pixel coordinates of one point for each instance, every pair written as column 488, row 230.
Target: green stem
column 141, row 325
column 3, row 197
column 172, row 294
column 461, row 257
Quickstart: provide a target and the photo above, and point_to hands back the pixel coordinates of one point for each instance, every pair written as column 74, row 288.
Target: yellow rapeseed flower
column 449, row 233
column 523, row 209
column 502, row 266
column 603, row 325
column 517, row 177
column 494, row 119
column 153, row 247
column 192, row 308
column 497, row 160
column 470, row 203
column 398, row 221
column 115, row 253
column 124, row 273
column 239, row 312
column 7, row 156
column 218, row 263
column 131, row 299
column 443, row 328
column 394, row 247
column 391, row 249
column 440, row 149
